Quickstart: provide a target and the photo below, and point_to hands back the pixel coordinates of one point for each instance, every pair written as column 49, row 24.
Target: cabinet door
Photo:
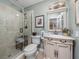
column 63, row 51
column 50, row 51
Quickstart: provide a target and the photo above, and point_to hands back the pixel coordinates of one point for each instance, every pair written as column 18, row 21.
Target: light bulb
column 60, row 3
column 17, row 14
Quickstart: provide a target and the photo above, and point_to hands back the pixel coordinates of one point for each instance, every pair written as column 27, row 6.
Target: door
column 50, row 51
column 63, row 51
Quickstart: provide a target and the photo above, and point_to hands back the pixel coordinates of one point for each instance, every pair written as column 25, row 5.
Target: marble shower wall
column 10, row 22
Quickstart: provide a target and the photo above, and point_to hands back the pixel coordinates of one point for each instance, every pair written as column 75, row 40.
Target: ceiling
column 25, row 3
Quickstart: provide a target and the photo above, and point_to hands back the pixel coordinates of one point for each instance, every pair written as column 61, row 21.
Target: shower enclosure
column 11, row 21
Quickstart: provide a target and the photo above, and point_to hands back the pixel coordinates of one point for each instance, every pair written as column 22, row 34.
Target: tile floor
column 40, row 55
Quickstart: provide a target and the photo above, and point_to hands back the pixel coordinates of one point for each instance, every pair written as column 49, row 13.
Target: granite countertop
column 58, row 37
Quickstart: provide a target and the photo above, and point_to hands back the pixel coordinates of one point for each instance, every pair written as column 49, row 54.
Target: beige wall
column 10, row 23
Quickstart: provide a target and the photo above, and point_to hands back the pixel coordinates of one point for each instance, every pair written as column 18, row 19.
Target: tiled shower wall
column 10, row 22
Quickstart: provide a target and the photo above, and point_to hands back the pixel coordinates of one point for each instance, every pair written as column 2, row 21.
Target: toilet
column 31, row 49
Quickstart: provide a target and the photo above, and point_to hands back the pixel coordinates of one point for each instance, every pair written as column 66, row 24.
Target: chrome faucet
column 55, row 32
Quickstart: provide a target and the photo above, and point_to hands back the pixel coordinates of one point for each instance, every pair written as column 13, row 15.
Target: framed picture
column 77, row 11
column 39, row 21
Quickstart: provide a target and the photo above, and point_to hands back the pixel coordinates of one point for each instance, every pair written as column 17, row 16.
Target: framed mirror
column 77, row 11
column 57, row 21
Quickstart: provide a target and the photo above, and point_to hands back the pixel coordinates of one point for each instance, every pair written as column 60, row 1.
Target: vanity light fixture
column 61, row 3
column 57, row 5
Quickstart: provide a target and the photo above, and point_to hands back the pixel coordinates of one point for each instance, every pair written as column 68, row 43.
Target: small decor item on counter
column 66, row 32
column 34, row 33
column 42, row 33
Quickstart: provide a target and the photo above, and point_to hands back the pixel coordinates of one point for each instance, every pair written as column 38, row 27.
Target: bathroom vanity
column 58, row 47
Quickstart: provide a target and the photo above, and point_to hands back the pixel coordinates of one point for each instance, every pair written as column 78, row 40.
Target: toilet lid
column 30, row 47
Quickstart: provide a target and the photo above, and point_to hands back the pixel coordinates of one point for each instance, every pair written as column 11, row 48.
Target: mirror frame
column 57, row 11
column 76, row 11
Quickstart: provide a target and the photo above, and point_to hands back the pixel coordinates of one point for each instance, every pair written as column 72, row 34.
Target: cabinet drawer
column 66, row 41
column 60, row 41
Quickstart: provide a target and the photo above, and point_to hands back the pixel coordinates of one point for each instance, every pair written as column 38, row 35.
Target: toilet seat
column 30, row 47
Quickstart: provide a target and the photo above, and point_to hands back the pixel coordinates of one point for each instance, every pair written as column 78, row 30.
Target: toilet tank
column 36, row 39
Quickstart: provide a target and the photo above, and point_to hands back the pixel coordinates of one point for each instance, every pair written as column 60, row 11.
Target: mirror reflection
column 57, row 21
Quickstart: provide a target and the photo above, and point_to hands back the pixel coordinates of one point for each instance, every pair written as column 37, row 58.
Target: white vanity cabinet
column 55, row 48
column 63, row 52
column 50, row 50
